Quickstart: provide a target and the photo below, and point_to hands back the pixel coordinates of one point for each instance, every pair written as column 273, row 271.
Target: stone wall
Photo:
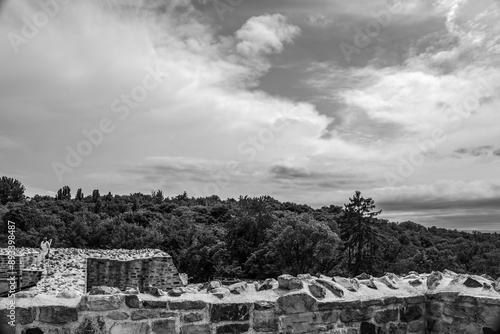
column 159, row 272
column 293, row 313
column 454, row 313
column 18, row 269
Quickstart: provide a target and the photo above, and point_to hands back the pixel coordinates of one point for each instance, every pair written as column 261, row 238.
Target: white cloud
column 264, row 35
column 318, row 20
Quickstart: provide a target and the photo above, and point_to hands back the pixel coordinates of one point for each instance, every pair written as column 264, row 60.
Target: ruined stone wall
column 450, row 312
column 159, row 272
column 16, row 266
column 293, row 313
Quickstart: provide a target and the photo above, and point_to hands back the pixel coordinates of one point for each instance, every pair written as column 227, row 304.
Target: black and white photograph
column 249, row 166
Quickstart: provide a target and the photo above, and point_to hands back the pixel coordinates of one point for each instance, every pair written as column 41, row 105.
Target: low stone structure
column 16, row 264
column 159, row 272
column 415, row 304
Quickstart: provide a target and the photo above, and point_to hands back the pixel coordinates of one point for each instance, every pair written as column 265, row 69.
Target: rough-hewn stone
column 233, row 329
column 284, row 281
column 187, row 305
column 434, row 279
column 195, row 329
column 398, row 328
column 129, row 328
column 118, row 315
column 192, row 317
column 229, row 312
column 24, row 315
column 355, row 315
column 163, row 327
column 58, row 314
column 384, row 316
column 334, row 288
column 151, row 313
column 410, row 313
column 265, row 321
column 317, row 290
column 348, row 283
column 101, row 302
column 104, row 290
column 132, row 301
column 295, row 284
column 297, row 303
column 238, row 288
column 92, row 325
column 154, row 304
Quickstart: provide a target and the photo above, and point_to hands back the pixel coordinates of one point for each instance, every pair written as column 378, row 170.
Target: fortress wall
column 294, row 313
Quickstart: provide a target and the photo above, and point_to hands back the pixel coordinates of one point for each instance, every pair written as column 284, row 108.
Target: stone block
column 489, row 315
column 328, row 306
column 297, row 303
column 462, row 311
column 333, row 287
column 393, row 300
column 388, row 315
column 317, row 290
column 101, row 302
column 24, row 316
column 372, row 302
column 229, row 312
column 415, row 300
column 118, row 315
column 132, row 301
column 220, row 292
column 398, row 328
column 233, row 329
column 92, row 325
column 435, row 308
column 295, row 284
column 347, row 283
column 330, row 317
column 130, row 328
column 58, row 314
column 356, row 315
column 238, row 288
column 152, row 304
column 187, row 305
column 410, row 313
column 265, row 321
column 192, row 317
column 284, row 281
column 367, row 328
column 164, row 327
column 416, row 326
column 151, row 314
column 195, row 329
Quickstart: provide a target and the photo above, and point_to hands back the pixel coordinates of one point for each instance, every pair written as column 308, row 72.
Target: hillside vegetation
column 249, row 238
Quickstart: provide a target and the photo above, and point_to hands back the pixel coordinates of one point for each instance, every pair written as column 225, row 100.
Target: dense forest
column 249, row 238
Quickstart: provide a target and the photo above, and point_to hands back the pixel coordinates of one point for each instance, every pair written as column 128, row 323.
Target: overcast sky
column 303, row 100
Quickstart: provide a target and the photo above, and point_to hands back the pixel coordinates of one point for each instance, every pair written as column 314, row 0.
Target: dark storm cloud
column 422, row 204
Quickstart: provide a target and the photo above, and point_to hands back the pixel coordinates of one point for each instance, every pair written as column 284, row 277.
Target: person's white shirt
column 44, row 246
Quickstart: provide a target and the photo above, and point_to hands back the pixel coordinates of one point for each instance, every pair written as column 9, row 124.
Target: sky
column 304, row 101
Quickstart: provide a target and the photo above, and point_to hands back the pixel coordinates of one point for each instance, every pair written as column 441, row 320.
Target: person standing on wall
column 44, row 250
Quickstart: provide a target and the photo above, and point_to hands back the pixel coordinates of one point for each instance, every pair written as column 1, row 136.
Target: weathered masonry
column 292, row 313
column 159, row 272
column 16, row 265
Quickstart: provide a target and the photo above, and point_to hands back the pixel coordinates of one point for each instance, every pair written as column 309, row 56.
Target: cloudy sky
column 302, row 100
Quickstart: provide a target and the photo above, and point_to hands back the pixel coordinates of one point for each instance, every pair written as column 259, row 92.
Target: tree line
column 252, row 238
